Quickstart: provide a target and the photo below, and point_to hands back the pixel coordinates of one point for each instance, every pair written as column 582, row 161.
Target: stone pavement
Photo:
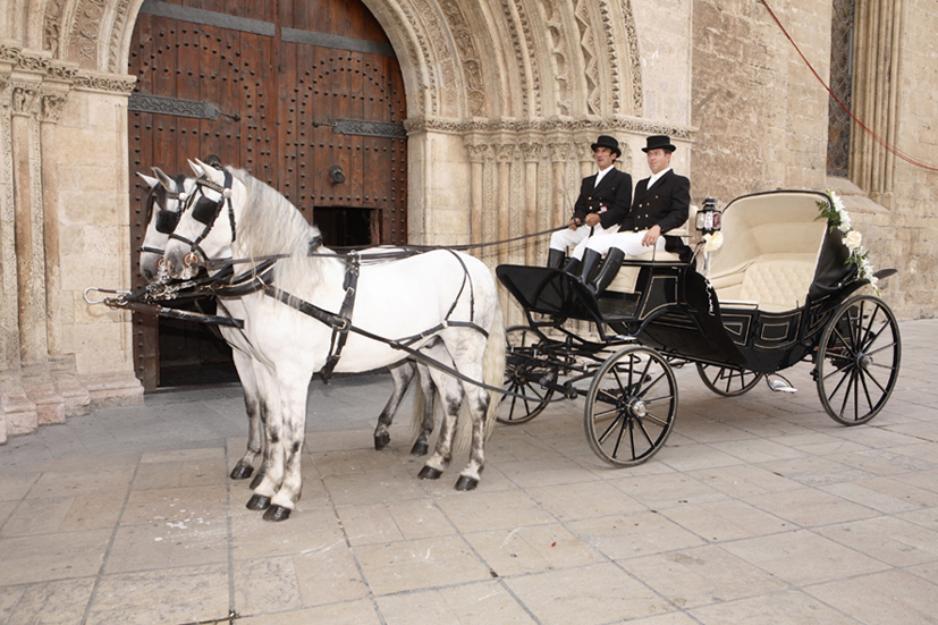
column 761, row 510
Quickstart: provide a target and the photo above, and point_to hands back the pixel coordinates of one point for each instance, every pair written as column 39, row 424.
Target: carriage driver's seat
column 624, row 282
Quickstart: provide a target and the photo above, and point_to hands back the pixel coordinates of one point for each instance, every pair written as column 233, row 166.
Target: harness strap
column 340, row 334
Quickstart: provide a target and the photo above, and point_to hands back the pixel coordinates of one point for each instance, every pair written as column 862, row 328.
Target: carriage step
column 779, row 384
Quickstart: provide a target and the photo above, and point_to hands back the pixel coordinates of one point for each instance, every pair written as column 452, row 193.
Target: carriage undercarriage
column 624, row 369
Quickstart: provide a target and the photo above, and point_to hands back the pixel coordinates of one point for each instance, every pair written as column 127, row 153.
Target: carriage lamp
column 709, row 218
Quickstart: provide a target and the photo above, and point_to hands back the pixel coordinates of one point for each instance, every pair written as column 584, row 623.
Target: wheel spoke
column 876, row 334
column 530, row 386
column 866, row 391
column 653, row 417
column 869, row 326
column 645, row 390
column 729, row 379
column 645, row 432
column 843, row 341
column 839, row 369
column 632, row 436
column 879, row 349
column 843, row 404
column 615, row 450
column 873, row 378
column 599, row 415
column 653, row 400
column 602, row 439
column 615, row 374
column 839, row 384
column 610, row 397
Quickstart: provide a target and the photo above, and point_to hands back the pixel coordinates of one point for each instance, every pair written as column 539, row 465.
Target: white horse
column 164, row 204
column 445, row 302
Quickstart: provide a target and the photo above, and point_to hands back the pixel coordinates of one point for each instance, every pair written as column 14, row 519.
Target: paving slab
column 760, row 510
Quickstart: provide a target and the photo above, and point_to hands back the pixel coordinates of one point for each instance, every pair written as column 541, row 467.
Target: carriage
column 783, row 290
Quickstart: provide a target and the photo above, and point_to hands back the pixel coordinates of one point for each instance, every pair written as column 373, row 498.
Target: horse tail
column 493, row 366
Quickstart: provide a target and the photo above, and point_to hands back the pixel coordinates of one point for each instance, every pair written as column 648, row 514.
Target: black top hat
column 605, row 141
column 656, row 142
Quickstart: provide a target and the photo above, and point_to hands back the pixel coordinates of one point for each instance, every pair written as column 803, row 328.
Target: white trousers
column 628, row 242
column 577, row 239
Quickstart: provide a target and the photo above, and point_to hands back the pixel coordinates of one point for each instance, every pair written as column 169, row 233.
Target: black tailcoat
column 613, row 194
column 664, row 205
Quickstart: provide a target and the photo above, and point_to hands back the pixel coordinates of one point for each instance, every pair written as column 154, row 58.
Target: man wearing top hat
column 602, row 205
column 660, row 204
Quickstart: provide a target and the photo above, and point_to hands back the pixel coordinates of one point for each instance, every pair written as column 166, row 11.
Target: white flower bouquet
column 839, row 219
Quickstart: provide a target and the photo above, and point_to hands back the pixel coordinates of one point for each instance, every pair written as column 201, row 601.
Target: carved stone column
column 531, row 152
column 30, row 245
column 505, row 155
column 18, row 413
column 62, row 366
column 559, row 154
column 477, row 154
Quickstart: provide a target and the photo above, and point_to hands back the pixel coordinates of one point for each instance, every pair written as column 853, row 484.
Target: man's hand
column 592, row 219
column 573, row 224
column 651, row 236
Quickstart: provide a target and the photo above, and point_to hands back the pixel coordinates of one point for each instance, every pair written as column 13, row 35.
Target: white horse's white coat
column 242, row 355
column 394, row 300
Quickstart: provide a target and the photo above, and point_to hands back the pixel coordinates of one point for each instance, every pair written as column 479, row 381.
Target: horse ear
column 196, row 168
column 167, row 182
column 149, row 180
column 211, row 172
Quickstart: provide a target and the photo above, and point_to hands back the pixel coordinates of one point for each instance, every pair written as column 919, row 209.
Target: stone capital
column 24, row 96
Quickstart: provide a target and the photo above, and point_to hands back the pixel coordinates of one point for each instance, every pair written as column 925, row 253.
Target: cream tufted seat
column 770, row 251
column 772, row 282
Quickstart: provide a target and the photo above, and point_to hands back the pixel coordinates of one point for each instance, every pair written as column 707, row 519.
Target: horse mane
column 271, row 224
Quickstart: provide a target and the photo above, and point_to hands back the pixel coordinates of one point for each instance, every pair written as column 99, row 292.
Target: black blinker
column 166, row 221
column 205, row 211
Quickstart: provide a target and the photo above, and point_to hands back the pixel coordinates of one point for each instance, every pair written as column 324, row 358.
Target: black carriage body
column 678, row 311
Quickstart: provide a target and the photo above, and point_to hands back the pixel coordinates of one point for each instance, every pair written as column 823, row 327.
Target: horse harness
column 260, row 278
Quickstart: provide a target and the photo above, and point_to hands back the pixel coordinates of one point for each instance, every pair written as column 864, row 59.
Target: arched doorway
column 306, row 95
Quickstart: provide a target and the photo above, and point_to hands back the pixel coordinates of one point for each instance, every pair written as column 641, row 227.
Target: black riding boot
column 572, row 266
column 608, row 271
column 591, row 261
column 555, row 258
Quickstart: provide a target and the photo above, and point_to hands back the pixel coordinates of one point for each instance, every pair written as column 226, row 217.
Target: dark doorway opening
column 347, row 225
column 192, row 353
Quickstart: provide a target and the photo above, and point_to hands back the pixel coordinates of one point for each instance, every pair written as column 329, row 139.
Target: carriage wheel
column 523, row 371
column 631, row 406
column 727, row 381
column 858, row 360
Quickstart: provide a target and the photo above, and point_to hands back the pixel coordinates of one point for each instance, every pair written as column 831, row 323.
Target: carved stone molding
column 590, row 61
column 468, row 58
column 52, row 25
column 592, row 124
column 638, row 99
column 84, row 36
column 105, row 83
column 117, row 34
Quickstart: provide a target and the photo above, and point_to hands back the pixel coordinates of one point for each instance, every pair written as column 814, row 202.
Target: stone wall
column 762, row 123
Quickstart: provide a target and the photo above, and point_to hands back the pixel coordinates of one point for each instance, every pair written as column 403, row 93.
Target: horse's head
column 207, row 223
column 164, row 203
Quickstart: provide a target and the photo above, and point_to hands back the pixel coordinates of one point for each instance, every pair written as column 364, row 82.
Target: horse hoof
column 429, row 473
column 257, row 480
column 277, row 513
column 241, row 471
column 382, row 440
column 419, row 449
column 258, row 502
column 466, row 483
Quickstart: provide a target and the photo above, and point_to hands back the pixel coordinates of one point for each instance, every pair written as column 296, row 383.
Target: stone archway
column 503, row 99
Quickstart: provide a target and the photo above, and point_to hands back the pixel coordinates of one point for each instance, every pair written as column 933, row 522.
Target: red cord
column 889, row 147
